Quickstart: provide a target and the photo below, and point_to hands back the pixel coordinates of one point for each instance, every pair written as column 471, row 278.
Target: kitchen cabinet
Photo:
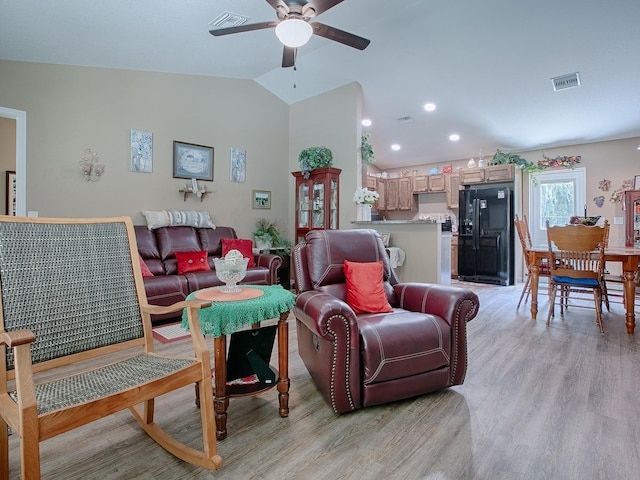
column 437, row 182
column 406, row 200
column 490, row 174
column 371, row 182
column 420, row 184
column 397, row 196
column 452, row 188
column 429, row 183
column 632, row 218
column 317, row 201
column 381, row 188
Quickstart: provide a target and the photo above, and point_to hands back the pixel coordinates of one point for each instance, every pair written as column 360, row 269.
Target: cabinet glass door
column 303, row 205
column 334, row 204
column 318, row 205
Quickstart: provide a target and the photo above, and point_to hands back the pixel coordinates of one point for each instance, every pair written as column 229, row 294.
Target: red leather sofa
column 157, row 248
column 364, row 359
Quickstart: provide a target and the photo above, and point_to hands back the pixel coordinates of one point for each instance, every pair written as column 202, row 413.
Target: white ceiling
column 486, row 64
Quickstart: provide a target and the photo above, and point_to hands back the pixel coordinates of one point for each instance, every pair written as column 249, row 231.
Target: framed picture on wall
column 192, row 161
column 636, row 182
column 386, row 238
column 261, row 199
column 238, row 165
column 10, row 204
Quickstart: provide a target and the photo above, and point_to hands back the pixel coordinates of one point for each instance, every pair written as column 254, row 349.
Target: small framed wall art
column 238, row 165
column 192, row 161
column 386, row 238
column 261, row 199
column 141, row 151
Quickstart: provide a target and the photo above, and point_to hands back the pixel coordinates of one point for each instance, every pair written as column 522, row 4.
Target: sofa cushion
column 245, row 247
column 176, row 239
column 211, row 240
column 192, row 262
column 177, row 218
column 145, row 269
column 402, row 344
column 365, row 289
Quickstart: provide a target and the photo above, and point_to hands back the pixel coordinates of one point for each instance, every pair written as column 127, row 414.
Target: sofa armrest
column 455, row 305
column 270, row 261
column 329, row 345
column 316, row 310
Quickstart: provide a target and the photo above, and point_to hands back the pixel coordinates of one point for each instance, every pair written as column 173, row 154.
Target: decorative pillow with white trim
column 177, row 218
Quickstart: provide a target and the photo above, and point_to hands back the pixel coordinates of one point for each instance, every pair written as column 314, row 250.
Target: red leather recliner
column 369, row 359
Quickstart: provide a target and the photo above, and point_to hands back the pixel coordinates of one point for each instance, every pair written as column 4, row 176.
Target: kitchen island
column 427, row 248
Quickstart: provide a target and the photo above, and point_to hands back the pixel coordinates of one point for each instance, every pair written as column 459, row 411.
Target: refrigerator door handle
column 476, row 224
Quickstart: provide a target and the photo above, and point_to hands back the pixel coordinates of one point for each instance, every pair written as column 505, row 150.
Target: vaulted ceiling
column 486, row 65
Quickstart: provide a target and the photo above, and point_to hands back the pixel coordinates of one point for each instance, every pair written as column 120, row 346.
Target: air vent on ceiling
column 566, row 81
column 228, row 19
column 404, row 120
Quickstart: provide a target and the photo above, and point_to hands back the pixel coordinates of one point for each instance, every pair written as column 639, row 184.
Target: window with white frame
column 555, row 195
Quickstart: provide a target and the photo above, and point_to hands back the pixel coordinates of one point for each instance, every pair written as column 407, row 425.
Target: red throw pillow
column 365, row 290
column 192, row 262
column 145, row 269
column 245, row 247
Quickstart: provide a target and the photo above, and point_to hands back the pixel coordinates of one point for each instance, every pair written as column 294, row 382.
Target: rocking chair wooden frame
column 71, row 290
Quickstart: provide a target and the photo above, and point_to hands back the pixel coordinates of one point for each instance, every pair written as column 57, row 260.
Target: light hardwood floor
column 558, row 402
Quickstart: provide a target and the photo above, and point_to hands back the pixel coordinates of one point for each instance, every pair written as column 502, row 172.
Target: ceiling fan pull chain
column 295, row 69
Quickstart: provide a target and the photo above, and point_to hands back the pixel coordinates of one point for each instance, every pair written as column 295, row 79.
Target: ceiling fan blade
column 242, row 28
column 340, row 36
column 289, row 57
column 320, row 5
column 276, row 4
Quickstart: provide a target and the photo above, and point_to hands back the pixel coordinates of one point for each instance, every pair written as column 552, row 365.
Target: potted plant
column 366, row 150
column 500, row 158
column 314, row 157
column 267, row 236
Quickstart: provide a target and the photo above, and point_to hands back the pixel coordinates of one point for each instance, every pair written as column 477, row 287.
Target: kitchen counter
column 426, row 246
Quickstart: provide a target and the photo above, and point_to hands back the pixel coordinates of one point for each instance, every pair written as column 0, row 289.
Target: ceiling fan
column 293, row 27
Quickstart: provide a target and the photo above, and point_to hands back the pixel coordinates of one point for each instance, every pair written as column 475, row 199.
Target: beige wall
column 71, row 109
column 332, row 120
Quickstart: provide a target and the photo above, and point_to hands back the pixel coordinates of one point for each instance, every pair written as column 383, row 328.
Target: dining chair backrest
column 577, row 250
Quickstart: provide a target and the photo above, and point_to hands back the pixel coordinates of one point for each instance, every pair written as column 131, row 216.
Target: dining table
column 628, row 257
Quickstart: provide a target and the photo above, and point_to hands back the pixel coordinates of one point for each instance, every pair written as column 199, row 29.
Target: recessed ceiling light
column 429, row 107
column 454, row 137
column 366, row 122
column 395, row 147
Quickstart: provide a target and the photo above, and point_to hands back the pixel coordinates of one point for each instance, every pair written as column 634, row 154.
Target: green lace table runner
column 224, row 318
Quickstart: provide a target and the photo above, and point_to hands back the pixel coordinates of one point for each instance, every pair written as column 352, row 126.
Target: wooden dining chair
column 577, row 264
column 522, row 227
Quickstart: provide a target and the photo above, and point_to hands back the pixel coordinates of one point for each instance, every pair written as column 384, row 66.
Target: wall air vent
column 566, row 81
column 228, row 19
column 404, row 120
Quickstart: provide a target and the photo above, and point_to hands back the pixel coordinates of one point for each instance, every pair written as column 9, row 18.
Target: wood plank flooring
column 558, row 402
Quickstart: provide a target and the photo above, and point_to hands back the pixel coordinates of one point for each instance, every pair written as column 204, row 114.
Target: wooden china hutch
column 632, row 218
column 317, row 201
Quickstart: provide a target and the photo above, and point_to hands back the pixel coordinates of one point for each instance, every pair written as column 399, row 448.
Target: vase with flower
column 365, row 199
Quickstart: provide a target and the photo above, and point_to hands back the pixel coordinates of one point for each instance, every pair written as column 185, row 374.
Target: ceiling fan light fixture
column 294, row 32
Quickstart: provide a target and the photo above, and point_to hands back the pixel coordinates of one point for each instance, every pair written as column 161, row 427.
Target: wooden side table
column 230, row 315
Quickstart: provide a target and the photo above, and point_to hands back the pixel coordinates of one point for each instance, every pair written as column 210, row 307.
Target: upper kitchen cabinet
column 429, row 183
column 452, row 187
column 317, row 201
column 397, row 194
column 490, row 174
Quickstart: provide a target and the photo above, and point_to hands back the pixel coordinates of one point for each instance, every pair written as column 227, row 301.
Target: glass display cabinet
column 632, row 218
column 317, row 200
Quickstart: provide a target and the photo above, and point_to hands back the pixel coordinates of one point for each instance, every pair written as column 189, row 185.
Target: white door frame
column 21, row 157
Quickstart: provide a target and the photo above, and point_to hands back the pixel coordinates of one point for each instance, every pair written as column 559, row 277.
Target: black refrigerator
column 485, row 235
